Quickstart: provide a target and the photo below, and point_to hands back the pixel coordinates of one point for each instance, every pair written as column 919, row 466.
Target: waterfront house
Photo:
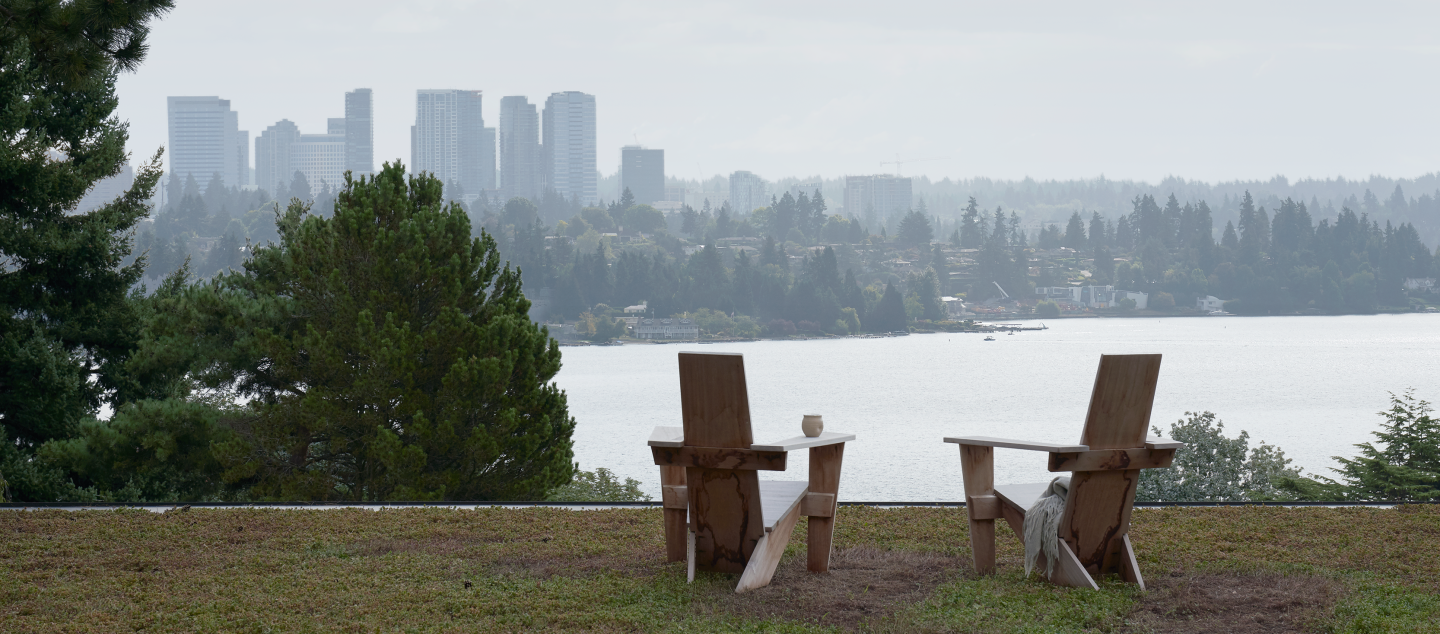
column 1091, row 296
column 1209, row 303
column 1421, row 285
column 667, row 329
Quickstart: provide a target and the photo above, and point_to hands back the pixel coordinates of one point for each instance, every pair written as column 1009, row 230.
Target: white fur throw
column 1042, row 526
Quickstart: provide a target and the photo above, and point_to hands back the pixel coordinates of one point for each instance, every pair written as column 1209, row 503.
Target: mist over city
column 646, row 316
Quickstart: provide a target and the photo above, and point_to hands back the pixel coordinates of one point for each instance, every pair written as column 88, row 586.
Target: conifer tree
column 390, row 357
column 889, row 314
column 1406, row 467
column 1075, row 232
column 66, row 324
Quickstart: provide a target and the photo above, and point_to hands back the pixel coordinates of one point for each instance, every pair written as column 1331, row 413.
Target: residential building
column 448, row 138
column 321, row 158
column 520, row 157
column 1142, row 300
column 1092, row 296
column 1209, row 303
column 1421, row 285
column 747, row 193
column 335, row 125
column 642, row 171
column 872, row 198
column 206, row 139
column 359, row 132
column 667, row 329
column 955, row 307
column 568, row 146
column 272, row 156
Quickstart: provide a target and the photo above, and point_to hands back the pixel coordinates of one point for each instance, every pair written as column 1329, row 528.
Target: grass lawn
column 427, row 569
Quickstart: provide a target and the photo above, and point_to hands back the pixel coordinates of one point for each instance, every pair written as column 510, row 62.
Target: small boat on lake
column 989, row 338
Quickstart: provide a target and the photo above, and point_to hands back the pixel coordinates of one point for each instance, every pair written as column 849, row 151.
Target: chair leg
column 761, row 567
column 672, row 484
column 1070, row 572
column 824, row 480
column 977, row 466
column 689, row 557
column 1129, row 568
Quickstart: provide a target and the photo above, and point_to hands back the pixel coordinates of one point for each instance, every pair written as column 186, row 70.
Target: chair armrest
column 667, row 437
column 1161, row 443
column 803, row 442
column 1006, row 443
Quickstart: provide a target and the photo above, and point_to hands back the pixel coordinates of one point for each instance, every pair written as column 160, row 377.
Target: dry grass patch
column 864, row 584
column 1183, row 603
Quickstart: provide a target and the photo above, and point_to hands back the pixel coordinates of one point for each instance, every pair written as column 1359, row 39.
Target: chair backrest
column 1120, row 404
column 714, row 406
column 1097, row 509
column 725, row 510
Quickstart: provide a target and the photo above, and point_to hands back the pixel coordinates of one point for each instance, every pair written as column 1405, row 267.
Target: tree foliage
column 390, row 357
column 1406, row 465
column 66, row 324
column 1213, row 468
column 599, row 485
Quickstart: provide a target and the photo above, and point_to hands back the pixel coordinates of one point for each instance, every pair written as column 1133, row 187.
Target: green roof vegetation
column 431, row 569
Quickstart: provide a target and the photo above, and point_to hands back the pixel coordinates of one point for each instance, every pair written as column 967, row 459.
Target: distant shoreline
column 988, row 327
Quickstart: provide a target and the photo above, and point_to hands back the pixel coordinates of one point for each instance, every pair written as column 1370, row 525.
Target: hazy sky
column 1208, row 91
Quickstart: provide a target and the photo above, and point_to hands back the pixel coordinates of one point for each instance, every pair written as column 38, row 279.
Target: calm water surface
column 1310, row 385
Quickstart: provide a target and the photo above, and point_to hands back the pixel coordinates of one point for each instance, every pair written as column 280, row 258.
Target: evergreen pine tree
column 392, row 358
column 889, row 314
column 66, row 324
column 1075, row 232
column 1406, row 467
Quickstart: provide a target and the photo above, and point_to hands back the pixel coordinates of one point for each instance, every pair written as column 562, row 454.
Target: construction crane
column 1002, row 291
column 897, row 162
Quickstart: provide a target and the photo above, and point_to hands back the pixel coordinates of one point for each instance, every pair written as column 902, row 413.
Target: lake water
column 1309, row 385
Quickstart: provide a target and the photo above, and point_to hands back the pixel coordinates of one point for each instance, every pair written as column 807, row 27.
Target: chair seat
column 1022, row 496
column 778, row 497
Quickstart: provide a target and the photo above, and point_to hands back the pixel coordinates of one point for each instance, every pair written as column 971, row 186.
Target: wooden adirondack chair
column 1094, row 529
column 709, row 470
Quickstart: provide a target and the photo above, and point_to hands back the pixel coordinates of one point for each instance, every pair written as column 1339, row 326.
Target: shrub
column 1213, row 468
column 1047, row 308
column 599, row 485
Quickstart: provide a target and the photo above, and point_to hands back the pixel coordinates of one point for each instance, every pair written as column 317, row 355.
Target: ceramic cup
column 812, row 425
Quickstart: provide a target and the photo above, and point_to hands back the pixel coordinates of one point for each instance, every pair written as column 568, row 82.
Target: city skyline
column 1048, row 91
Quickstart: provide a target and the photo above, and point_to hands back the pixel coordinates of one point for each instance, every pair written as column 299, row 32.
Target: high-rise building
column 205, row 140
column 877, row 197
column 335, row 125
column 747, row 193
column 642, row 171
column 321, row 158
column 476, row 166
column 568, row 146
column 520, row 158
column 488, row 169
column 108, row 189
column 448, row 139
column 359, row 133
column 272, row 156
